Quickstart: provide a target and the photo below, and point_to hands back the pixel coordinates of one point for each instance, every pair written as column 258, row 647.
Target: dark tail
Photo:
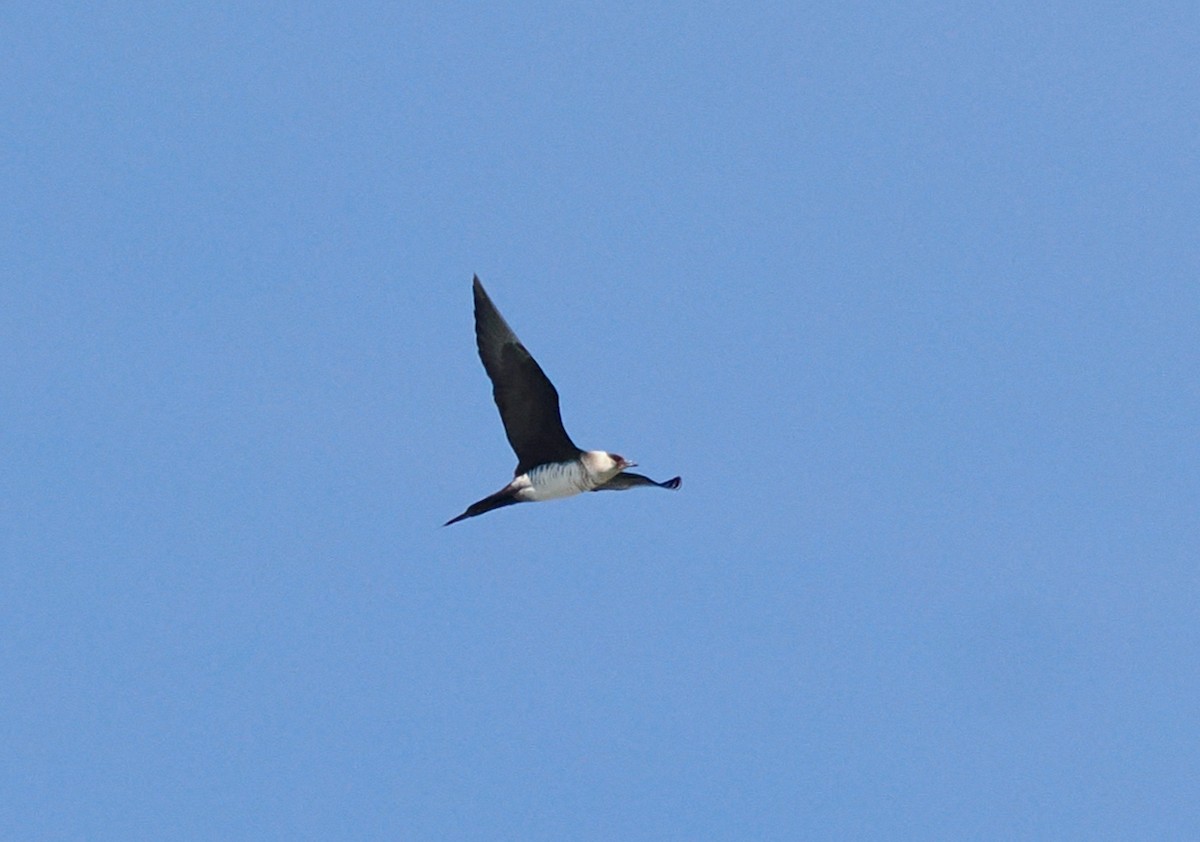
column 504, row 497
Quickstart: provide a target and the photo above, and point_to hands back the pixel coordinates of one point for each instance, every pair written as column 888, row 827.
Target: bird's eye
column 616, row 458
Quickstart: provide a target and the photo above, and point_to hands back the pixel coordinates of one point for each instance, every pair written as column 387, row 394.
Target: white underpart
column 565, row 479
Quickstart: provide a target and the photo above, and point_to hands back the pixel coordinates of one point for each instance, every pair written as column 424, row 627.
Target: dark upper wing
column 526, row 398
column 625, row 480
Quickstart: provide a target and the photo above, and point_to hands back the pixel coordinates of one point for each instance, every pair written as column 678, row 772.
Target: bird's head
column 606, row 465
column 620, row 463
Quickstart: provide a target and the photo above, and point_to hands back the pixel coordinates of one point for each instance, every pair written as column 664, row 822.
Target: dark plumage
column 549, row 464
column 527, row 400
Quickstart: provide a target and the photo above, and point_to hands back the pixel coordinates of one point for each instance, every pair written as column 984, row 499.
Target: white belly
column 550, row 482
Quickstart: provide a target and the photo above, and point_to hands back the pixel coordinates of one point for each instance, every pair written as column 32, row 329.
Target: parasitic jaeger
column 549, row 465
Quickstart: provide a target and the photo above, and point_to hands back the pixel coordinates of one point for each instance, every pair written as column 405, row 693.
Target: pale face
column 620, row 462
column 606, row 464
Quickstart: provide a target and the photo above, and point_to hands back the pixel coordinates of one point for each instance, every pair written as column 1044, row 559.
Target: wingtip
column 479, row 293
column 673, row 483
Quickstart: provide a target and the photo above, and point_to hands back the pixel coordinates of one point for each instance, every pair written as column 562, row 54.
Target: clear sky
column 908, row 296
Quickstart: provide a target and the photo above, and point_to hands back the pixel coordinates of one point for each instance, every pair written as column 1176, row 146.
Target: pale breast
column 556, row 479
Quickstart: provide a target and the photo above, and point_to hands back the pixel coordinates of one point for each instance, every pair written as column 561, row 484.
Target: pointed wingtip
column 673, row 483
column 480, row 294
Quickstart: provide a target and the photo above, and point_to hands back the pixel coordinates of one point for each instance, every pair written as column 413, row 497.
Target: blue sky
column 907, row 295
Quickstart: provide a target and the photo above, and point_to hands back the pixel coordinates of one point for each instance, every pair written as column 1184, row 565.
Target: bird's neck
column 599, row 466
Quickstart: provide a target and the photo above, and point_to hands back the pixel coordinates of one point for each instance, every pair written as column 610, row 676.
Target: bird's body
column 552, row 480
column 549, row 464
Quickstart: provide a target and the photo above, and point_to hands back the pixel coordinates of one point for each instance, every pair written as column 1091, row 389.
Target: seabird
column 549, row 465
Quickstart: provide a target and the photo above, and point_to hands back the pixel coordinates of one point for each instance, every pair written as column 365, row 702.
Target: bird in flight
column 549, row 465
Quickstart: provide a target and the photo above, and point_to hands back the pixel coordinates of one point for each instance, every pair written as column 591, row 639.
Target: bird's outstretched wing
column 625, row 480
column 527, row 400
